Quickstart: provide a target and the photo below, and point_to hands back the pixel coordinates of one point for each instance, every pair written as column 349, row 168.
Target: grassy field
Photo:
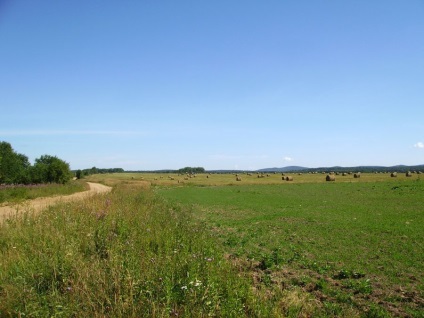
column 14, row 194
column 165, row 245
column 230, row 179
column 353, row 245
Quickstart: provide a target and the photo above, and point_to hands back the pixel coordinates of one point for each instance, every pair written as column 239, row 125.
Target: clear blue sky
column 147, row 85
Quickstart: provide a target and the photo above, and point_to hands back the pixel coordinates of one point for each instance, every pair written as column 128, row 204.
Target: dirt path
column 42, row 203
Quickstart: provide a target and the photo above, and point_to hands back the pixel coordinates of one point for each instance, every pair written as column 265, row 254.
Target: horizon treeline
column 15, row 168
column 86, row 172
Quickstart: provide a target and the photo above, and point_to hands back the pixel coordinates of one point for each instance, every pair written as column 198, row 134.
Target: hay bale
column 344, row 174
column 289, row 178
column 330, row 177
column 393, row 174
column 357, row 175
column 408, row 174
column 238, row 179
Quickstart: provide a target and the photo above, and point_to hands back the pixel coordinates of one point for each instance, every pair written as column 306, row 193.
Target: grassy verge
column 356, row 248
column 13, row 194
column 124, row 254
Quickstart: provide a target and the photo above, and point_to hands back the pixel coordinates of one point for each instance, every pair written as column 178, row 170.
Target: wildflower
column 196, row 283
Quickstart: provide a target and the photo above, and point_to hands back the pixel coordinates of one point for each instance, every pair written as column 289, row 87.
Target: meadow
column 165, row 245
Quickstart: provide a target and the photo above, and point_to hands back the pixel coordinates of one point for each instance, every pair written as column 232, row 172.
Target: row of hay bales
column 331, row 176
column 407, row 174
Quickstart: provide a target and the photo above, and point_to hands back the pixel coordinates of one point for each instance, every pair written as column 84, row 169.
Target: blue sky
column 147, row 85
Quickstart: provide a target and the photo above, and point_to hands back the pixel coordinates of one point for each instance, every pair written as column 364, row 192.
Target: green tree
column 79, row 174
column 51, row 169
column 14, row 167
column 192, row 170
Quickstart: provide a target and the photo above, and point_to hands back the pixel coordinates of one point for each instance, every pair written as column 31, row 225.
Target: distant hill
column 398, row 168
column 283, row 169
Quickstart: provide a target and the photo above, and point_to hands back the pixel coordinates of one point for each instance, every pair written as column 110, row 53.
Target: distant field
column 228, row 179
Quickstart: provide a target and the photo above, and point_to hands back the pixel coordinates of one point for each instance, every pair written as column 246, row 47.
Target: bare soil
column 39, row 204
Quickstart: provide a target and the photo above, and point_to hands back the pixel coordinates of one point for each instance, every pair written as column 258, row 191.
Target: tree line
column 86, row 172
column 15, row 168
column 191, row 170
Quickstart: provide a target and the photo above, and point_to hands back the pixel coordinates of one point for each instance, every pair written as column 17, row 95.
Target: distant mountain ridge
column 283, row 169
column 399, row 168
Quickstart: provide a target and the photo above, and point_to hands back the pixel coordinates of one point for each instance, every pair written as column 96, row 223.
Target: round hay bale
column 238, row 179
column 289, row 178
column 393, row 174
column 330, row 177
column 357, row 175
column 344, row 174
column 408, row 174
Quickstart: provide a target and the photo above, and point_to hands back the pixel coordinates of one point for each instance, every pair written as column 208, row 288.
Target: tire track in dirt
column 39, row 204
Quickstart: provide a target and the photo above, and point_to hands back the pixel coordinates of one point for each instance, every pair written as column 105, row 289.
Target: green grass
column 14, row 194
column 124, row 254
column 348, row 241
column 221, row 248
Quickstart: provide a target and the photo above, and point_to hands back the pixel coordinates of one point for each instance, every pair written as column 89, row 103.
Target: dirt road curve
column 42, row 203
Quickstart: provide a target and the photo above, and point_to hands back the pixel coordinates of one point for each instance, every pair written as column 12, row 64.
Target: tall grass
column 124, row 254
column 17, row 193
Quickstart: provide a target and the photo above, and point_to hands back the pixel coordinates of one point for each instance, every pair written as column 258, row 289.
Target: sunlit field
column 162, row 245
column 214, row 179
